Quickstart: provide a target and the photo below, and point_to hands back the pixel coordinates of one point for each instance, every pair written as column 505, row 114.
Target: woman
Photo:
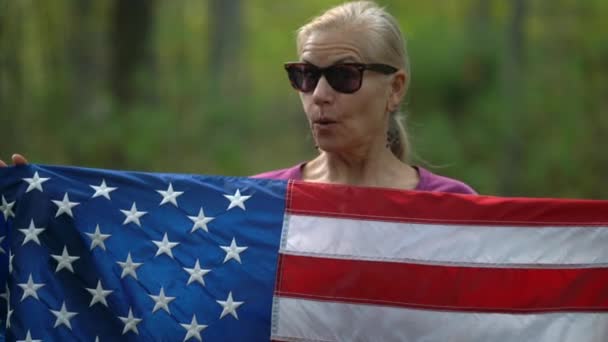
column 352, row 75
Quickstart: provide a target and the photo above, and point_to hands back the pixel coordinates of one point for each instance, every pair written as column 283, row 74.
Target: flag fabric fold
column 102, row 255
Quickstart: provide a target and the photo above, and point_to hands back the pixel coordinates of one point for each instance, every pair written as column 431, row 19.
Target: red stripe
column 423, row 206
column 443, row 287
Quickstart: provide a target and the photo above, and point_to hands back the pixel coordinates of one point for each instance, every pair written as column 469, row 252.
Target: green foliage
column 526, row 120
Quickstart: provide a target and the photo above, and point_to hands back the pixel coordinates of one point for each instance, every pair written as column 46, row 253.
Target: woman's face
column 345, row 122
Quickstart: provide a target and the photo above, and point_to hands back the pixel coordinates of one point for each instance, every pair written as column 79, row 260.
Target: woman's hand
column 17, row 160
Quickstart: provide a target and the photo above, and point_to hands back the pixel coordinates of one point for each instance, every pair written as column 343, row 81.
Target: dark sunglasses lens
column 303, row 77
column 344, row 78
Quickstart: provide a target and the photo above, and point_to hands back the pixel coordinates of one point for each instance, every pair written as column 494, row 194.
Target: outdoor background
column 509, row 96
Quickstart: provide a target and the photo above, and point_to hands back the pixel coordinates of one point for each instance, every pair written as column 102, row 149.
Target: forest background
column 509, row 96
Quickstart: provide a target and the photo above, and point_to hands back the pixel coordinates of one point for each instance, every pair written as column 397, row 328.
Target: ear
column 397, row 91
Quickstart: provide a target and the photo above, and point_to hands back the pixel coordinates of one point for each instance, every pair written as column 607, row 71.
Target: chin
column 328, row 145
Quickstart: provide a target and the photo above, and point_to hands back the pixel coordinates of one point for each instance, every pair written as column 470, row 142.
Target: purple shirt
column 428, row 180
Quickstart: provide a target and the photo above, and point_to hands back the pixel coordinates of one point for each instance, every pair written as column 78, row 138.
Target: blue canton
column 100, row 255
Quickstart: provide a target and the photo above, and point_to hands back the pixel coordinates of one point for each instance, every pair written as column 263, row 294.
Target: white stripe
column 307, row 320
column 459, row 244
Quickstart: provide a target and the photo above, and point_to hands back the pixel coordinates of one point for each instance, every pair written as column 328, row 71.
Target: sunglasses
column 344, row 78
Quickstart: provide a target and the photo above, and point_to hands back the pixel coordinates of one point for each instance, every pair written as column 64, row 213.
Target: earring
column 391, row 137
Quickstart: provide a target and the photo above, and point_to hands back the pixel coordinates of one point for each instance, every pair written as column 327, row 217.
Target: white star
column 130, row 323
column 7, row 208
column 99, row 294
column 2, row 249
column 229, row 306
column 196, row 273
column 194, row 329
column 63, row 317
column 35, row 182
column 97, row 239
column 200, row 221
column 64, row 260
column 133, row 215
column 8, row 317
column 10, row 261
column 65, row 206
column 233, row 251
column 30, row 288
column 31, row 233
column 28, row 338
column 169, row 196
column 102, row 190
column 129, row 267
column 6, row 294
column 164, row 247
column 237, row 200
column 161, row 301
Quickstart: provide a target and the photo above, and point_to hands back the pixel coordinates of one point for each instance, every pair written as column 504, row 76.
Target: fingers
column 19, row 159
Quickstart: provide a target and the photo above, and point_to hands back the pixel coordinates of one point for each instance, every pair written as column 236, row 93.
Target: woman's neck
column 376, row 169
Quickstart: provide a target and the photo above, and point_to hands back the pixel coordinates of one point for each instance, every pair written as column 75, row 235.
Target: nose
column 323, row 92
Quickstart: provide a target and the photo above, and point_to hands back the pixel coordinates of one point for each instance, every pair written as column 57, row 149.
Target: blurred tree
column 511, row 169
column 130, row 38
column 224, row 44
column 83, row 53
column 11, row 79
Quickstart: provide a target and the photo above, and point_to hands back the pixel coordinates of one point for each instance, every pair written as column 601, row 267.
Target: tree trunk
column 225, row 37
column 130, row 33
column 513, row 83
column 84, row 83
column 11, row 83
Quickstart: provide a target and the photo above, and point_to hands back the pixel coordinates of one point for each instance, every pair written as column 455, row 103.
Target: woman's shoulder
column 293, row 172
column 433, row 182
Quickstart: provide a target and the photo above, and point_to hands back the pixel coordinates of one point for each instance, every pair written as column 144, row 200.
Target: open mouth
column 324, row 122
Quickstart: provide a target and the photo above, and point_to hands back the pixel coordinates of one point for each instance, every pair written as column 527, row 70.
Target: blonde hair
column 385, row 44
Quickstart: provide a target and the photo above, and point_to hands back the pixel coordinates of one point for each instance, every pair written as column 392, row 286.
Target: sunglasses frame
column 321, row 72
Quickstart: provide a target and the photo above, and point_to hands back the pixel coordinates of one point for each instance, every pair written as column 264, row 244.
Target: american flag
column 100, row 255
